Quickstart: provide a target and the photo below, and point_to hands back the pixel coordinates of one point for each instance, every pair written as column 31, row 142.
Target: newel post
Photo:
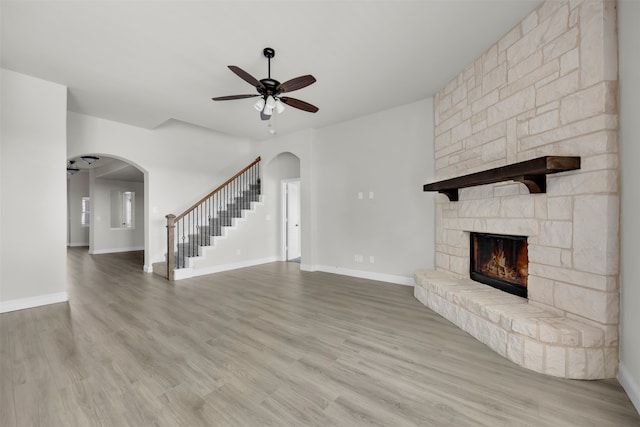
column 171, row 254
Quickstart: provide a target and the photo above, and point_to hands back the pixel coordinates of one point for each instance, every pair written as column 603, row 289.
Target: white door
column 292, row 219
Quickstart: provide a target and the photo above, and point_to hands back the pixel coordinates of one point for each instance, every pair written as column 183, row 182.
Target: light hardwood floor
column 266, row 345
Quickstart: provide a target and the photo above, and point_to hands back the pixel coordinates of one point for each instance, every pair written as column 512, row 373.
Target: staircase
column 204, row 235
column 190, row 233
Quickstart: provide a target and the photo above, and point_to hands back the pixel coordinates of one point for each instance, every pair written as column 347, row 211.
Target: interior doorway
column 106, row 205
column 291, row 219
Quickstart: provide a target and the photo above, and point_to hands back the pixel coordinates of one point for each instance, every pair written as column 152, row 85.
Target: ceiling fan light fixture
column 269, row 105
column 270, row 90
column 90, row 159
column 259, row 106
column 71, row 169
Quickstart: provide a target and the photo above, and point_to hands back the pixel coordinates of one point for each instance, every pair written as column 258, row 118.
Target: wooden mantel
column 532, row 173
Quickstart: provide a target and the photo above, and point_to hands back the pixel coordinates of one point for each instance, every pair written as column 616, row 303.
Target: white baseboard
column 78, row 244
column 24, row 303
column 381, row 277
column 306, row 267
column 115, row 250
column 223, row 267
column 147, row 268
column 630, row 385
column 183, row 273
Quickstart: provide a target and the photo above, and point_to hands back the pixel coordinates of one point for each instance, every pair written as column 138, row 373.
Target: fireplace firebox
column 500, row 261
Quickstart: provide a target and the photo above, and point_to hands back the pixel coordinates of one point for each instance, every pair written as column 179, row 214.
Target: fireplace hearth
column 500, row 261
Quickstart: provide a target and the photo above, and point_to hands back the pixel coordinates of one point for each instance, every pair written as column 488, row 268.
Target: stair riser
column 191, row 247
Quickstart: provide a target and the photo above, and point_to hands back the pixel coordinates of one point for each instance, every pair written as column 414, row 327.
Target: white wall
column 282, row 167
column 181, row 163
column 249, row 243
column 629, row 69
column 77, row 188
column 388, row 154
column 104, row 237
column 298, row 144
column 33, row 207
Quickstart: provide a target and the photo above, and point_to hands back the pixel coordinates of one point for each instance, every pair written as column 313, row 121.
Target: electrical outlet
column 355, row 258
column 371, row 259
column 371, row 194
column 360, row 258
column 360, row 195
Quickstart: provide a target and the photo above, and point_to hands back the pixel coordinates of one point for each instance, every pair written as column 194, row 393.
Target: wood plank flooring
column 267, row 345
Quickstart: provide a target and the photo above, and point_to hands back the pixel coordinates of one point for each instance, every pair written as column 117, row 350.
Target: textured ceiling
column 145, row 62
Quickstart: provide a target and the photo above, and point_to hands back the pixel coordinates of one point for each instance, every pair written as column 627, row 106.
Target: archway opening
column 106, row 204
column 282, row 178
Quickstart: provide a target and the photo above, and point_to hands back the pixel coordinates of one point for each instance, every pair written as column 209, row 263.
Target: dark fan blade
column 232, row 97
column 297, row 83
column 246, row 76
column 296, row 103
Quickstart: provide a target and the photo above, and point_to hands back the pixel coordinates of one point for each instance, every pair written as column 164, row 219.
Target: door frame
column 285, row 216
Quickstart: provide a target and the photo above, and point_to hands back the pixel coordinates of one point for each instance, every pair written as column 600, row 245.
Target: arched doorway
column 282, row 175
column 106, row 204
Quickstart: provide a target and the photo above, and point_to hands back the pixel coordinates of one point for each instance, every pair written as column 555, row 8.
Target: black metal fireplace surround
column 500, row 261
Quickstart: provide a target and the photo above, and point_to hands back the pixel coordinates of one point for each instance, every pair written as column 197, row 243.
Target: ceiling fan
column 270, row 90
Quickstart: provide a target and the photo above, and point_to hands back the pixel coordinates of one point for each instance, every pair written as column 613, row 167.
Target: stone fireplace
column 547, row 88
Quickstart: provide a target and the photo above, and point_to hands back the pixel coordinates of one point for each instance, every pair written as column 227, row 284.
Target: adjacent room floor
column 266, row 345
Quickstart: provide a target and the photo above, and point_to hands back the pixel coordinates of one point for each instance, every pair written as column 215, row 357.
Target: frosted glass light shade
column 259, row 105
column 269, row 105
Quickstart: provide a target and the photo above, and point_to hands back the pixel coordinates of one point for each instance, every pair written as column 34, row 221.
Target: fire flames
column 498, row 267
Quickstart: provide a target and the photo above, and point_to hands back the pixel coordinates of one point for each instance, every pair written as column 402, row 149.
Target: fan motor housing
column 270, row 86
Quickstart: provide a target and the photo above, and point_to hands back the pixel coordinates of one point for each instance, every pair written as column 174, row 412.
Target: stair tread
column 224, row 218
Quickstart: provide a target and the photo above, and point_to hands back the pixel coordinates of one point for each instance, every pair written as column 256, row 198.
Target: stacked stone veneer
column 548, row 87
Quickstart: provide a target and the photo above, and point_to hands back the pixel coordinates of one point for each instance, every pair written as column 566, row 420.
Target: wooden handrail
column 199, row 202
column 172, row 220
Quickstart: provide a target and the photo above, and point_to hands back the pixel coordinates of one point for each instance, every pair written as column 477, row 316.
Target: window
column 85, row 213
column 123, row 209
column 128, row 197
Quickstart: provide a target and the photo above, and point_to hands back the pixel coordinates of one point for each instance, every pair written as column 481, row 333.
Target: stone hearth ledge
column 527, row 335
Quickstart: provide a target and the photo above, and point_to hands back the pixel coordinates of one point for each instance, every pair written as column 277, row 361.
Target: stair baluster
column 194, row 228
